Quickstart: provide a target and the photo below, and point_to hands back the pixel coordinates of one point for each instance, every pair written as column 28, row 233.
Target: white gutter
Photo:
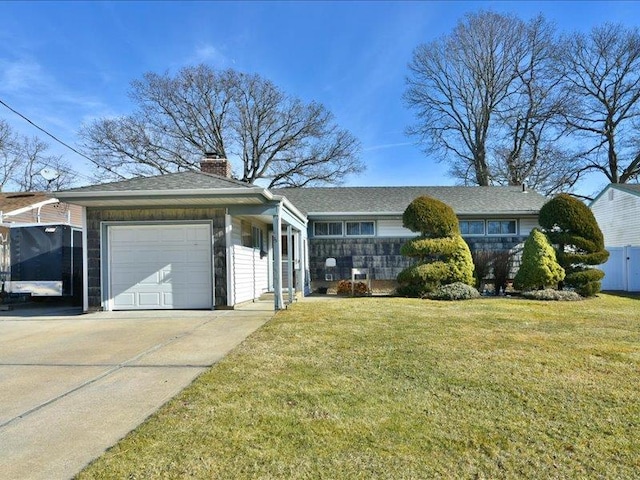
column 158, row 193
column 361, row 214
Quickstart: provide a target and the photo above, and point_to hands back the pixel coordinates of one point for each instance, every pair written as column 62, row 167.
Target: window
column 327, row 229
column 472, row 227
column 245, row 232
column 256, row 238
column 251, row 235
column 360, row 229
column 501, row 227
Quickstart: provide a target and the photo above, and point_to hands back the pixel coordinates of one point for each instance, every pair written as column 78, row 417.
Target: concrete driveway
column 72, row 385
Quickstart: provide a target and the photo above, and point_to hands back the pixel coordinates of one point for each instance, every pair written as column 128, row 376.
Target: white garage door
column 160, row 266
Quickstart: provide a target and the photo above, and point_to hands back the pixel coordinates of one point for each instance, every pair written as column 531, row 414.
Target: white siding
column 527, row 224
column 249, row 273
column 392, row 228
column 618, row 217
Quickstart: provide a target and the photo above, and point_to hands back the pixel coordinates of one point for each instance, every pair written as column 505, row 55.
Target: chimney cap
column 212, row 155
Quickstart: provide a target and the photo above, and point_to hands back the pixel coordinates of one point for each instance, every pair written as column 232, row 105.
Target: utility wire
column 47, row 133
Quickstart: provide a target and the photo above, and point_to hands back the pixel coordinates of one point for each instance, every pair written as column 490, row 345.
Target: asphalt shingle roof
column 190, row 180
column 11, row 201
column 394, row 200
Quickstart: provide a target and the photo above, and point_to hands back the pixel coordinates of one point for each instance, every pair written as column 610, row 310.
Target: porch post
column 302, row 262
column 290, row 249
column 85, row 262
column 278, row 301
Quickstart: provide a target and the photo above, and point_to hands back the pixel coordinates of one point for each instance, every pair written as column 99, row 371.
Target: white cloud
column 385, row 146
column 207, row 53
column 20, row 75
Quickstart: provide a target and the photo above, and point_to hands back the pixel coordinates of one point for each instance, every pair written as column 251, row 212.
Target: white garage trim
column 157, row 265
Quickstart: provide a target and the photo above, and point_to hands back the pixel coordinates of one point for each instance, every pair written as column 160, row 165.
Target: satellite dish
column 49, row 174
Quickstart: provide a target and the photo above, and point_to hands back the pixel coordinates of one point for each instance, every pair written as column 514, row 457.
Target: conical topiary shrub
column 539, row 267
column 442, row 255
column 573, row 230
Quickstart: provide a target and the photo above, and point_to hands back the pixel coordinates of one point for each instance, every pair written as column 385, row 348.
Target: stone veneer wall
column 97, row 215
column 380, row 255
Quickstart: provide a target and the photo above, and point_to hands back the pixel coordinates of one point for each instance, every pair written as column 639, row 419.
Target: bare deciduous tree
column 238, row 116
column 527, row 145
column 457, row 84
column 602, row 84
column 22, row 160
column 9, row 159
column 487, row 97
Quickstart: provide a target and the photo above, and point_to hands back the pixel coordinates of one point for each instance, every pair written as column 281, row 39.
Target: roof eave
column 95, row 198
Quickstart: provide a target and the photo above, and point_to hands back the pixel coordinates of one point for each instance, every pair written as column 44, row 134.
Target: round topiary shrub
column 539, row 267
column 431, row 218
column 442, row 256
column 573, row 230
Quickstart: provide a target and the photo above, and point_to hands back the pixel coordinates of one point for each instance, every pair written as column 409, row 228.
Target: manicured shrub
column 454, row 291
column 442, row 256
column 552, row 294
column 360, row 289
column 573, row 230
column 539, row 267
column 431, row 217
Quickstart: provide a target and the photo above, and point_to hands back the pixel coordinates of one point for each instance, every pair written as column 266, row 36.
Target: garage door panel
column 125, row 300
column 149, row 299
column 160, row 266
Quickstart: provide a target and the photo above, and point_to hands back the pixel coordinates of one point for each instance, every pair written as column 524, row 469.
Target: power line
column 47, row 133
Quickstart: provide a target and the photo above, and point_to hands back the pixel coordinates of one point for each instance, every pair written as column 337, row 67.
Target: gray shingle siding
column 97, row 215
column 381, row 255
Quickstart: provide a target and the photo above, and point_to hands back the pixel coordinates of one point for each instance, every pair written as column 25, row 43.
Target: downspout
column 278, row 301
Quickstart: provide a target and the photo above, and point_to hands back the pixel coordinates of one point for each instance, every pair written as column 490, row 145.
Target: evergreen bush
column 573, row 230
column 454, row 291
column 539, row 267
column 442, row 255
column 552, row 294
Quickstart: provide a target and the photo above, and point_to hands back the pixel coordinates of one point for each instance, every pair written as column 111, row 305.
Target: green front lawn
column 398, row 388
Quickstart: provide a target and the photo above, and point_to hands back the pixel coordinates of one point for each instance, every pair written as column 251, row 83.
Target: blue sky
column 65, row 63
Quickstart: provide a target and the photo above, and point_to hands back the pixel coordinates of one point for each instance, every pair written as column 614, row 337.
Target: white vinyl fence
column 622, row 270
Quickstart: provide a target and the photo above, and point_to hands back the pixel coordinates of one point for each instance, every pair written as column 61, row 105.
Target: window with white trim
column 501, row 227
column 360, row 229
column 471, row 227
column 327, row 229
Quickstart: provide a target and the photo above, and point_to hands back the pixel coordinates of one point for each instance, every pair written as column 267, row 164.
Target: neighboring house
column 617, row 211
column 204, row 240
column 361, row 227
column 40, row 245
column 189, row 240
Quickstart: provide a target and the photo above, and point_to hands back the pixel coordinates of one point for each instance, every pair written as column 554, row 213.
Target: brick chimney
column 212, row 163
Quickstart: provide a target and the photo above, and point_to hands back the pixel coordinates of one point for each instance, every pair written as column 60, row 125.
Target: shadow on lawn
column 632, row 295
